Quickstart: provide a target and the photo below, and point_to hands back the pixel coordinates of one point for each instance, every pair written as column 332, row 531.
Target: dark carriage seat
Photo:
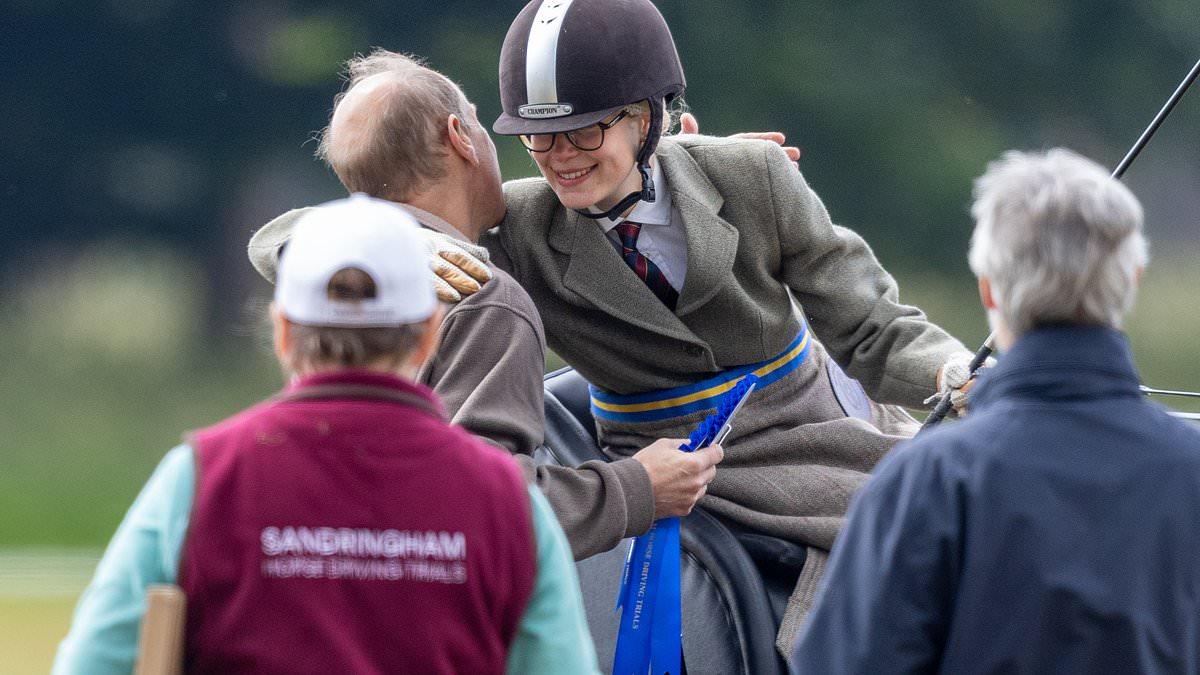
column 735, row 584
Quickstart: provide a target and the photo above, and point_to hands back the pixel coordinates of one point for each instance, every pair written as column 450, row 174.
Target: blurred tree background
column 147, row 139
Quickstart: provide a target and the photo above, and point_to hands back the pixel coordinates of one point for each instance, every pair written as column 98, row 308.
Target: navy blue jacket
column 1056, row 529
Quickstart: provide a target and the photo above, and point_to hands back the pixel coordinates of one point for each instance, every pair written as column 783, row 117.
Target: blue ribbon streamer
column 639, row 600
column 666, row 636
column 650, row 637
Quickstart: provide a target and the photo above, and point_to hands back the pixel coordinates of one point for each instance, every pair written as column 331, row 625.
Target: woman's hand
column 955, row 378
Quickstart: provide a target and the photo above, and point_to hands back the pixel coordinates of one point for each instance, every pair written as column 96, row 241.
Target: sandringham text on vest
column 361, row 553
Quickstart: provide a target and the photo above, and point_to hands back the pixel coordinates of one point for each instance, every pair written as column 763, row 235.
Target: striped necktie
column 646, row 270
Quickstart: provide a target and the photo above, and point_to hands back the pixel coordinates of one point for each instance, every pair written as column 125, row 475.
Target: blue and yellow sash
column 705, row 395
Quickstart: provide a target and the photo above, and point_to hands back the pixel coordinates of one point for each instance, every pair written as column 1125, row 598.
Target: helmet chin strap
column 643, row 165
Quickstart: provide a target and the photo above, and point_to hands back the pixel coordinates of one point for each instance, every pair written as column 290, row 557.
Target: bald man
column 406, row 133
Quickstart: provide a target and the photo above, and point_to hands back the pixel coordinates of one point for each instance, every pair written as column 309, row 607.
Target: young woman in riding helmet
column 665, row 268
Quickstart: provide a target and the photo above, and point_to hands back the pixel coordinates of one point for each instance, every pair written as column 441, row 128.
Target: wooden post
column 160, row 646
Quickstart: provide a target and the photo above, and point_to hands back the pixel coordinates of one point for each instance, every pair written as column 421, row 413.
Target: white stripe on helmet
column 541, row 55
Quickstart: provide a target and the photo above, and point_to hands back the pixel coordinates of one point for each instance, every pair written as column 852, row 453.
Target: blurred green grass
column 1163, row 328
column 30, row 629
column 81, row 445
column 107, row 363
column 38, row 588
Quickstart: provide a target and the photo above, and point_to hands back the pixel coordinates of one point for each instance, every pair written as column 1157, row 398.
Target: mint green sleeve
column 553, row 636
column 145, row 550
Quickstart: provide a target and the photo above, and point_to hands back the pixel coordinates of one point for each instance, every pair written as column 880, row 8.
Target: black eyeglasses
column 587, row 138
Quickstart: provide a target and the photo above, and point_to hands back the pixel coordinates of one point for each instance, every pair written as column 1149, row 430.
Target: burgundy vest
column 344, row 526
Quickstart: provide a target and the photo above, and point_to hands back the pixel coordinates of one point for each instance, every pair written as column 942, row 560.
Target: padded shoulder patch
column 850, row 394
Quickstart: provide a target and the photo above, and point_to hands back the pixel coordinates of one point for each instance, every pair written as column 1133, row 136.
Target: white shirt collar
column 657, row 212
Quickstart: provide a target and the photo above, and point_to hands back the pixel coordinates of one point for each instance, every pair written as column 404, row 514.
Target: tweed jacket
column 762, row 253
column 759, row 244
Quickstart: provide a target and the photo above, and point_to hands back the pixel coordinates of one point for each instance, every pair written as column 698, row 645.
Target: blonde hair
column 671, row 112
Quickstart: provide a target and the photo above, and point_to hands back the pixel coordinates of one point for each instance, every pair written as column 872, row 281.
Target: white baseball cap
column 373, row 235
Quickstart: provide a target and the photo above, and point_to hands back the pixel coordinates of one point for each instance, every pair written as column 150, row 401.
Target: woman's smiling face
column 600, row 177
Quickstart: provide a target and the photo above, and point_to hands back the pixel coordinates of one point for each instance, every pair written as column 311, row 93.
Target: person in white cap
column 344, row 524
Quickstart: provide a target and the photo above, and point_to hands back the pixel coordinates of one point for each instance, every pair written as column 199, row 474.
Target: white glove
column 460, row 267
column 955, row 377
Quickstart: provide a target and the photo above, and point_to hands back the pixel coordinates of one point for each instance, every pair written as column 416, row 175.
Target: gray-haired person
column 1054, row 530
column 405, row 133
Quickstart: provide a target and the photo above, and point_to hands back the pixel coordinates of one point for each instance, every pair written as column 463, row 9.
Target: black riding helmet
column 568, row 64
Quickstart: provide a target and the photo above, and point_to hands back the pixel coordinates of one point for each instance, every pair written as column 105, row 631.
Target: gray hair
column 1059, row 239
column 399, row 150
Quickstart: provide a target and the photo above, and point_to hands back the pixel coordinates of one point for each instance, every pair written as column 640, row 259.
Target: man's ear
column 985, row 293
column 459, row 137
